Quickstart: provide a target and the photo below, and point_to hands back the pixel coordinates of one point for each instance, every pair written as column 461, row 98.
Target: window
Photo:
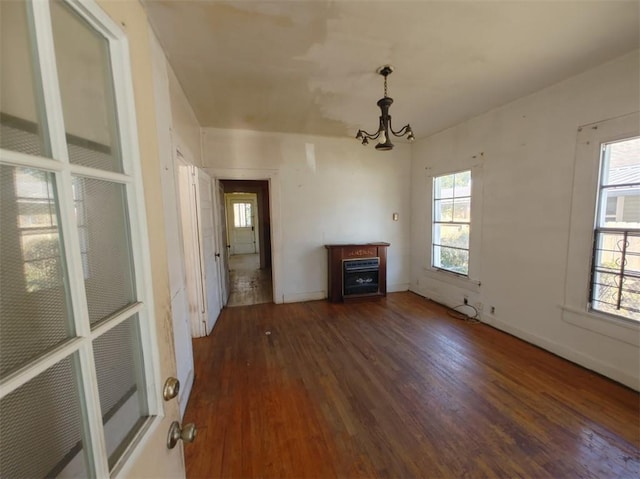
column 75, row 310
column 451, row 222
column 242, row 215
column 615, row 274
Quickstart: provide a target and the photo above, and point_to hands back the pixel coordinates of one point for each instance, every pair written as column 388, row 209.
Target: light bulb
column 383, row 137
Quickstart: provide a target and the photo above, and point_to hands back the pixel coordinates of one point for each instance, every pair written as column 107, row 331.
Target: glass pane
column 462, row 184
column 20, row 128
column 443, row 187
column 622, row 165
column 41, row 432
column 606, row 287
column 443, row 210
column 609, row 252
column 620, row 207
column 82, row 57
column 630, row 300
column 237, row 215
column 118, row 361
column 632, row 255
column 247, row 214
column 35, row 311
column 615, row 252
column 455, row 260
column 462, row 209
column 103, row 231
column 451, row 235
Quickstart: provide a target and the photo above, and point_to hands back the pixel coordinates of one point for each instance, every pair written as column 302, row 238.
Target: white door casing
column 222, row 251
column 273, row 177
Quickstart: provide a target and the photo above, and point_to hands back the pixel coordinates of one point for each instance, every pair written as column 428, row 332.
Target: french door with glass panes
column 76, row 370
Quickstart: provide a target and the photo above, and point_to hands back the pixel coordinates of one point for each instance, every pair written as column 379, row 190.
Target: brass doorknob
column 170, row 389
column 186, row 433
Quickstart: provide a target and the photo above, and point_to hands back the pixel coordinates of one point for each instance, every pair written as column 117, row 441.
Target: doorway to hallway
column 248, row 231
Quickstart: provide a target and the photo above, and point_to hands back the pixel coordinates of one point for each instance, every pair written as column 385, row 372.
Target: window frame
column 601, row 229
column 471, row 282
column 586, row 172
column 435, row 222
column 53, row 132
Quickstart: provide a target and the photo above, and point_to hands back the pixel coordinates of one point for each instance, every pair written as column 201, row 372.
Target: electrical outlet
column 466, row 300
column 493, row 310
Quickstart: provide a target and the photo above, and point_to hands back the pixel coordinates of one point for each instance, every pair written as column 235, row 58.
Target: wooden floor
column 248, row 283
column 397, row 388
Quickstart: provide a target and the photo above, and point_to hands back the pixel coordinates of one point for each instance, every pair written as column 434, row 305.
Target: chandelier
column 384, row 128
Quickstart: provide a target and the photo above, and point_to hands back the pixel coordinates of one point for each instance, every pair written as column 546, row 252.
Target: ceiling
column 309, row 66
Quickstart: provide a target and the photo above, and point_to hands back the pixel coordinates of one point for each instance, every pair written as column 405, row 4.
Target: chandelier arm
column 370, row 136
column 402, row 131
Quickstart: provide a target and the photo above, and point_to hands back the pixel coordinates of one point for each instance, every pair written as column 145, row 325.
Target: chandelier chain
column 385, row 86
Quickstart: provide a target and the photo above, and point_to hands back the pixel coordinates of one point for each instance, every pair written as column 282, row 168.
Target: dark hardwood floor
column 397, row 388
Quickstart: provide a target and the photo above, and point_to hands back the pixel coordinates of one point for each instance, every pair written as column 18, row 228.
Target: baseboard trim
column 569, row 354
column 565, row 352
column 300, row 297
column 396, row 288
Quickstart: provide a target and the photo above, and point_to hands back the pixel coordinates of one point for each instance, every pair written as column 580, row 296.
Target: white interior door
column 208, row 260
column 80, row 368
column 241, row 211
column 177, row 277
column 191, row 246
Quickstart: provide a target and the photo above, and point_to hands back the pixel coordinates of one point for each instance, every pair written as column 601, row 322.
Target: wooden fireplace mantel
column 340, row 252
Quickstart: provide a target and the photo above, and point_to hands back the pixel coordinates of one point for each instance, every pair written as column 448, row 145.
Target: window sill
column 453, row 279
column 625, row 330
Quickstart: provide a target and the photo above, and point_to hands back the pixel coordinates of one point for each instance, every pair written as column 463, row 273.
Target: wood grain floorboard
column 397, row 388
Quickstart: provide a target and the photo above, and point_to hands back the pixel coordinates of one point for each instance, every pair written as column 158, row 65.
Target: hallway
column 248, row 283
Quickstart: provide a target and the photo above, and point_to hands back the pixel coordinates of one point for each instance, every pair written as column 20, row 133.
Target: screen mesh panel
column 40, row 427
column 19, row 136
column 118, row 361
column 101, row 214
column 86, row 88
column 17, row 99
column 35, row 313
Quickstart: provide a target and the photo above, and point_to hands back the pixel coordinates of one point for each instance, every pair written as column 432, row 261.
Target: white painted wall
column 185, row 126
column 331, row 190
column 527, row 171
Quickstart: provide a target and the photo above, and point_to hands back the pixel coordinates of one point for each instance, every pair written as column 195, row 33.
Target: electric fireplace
column 357, row 271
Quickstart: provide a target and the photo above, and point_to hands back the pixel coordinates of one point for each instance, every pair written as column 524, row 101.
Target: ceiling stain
column 309, row 66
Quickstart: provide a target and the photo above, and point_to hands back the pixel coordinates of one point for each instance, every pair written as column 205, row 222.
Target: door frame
column 220, row 220
column 273, row 177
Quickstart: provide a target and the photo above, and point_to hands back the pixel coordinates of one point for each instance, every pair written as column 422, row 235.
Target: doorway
column 248, row 226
